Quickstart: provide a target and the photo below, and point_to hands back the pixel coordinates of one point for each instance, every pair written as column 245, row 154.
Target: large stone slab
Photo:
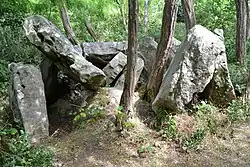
column 147, row 48
column 100, row 53
column 115, row 67
column 199, row 71
column 138, row 69
column 49, row 39
column 27, row 100
column 175, row 46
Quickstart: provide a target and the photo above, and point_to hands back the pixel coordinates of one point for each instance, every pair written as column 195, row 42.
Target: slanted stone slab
column 56, row 47
column 138, row 68
column 100, row 53
column 115, row 67
column 27, row 100
column 199, row 71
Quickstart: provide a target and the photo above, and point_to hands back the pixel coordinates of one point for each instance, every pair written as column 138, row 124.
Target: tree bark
column 188, row 13
column 129, row 85
column 241, row 34
column 248, row 20
column 90, row 29
column 146, row 6
column 163, row 49
column 66, row 25
column 247, row 91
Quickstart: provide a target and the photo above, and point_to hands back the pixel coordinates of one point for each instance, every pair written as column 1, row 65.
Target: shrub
column 239, row 111
column 194, row 140
column 19, row 152
column 89, row 115
column 166, row 124
column 206, row 116
column 238, row 77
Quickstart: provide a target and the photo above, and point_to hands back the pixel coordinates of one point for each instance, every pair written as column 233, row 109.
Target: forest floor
column 101, row 146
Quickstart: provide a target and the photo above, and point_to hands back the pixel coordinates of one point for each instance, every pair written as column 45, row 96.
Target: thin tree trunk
column 50, row 9
column 90, row 29
column 66, row 25
column 189, row 14
column 146, row 6
column 163, row 49
column 241, row 11
column 247, row 92
column 248, row 20
column 129, row 85
column 125, row 25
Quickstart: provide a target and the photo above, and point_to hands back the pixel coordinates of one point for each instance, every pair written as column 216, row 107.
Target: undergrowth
column 208, row 119
column 93, row 112
column 88, row 115
column 238, row 111
column 17, row 151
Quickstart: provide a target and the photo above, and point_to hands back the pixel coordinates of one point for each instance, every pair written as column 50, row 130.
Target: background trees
column 188, row 13
column 108, row 19
column 242, row 25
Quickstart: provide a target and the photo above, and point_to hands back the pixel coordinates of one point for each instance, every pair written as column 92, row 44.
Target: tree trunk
column 188, row 13
column 124, row 21
column 90, row 29
column 241, row 11
column 146, row 6
column 129, row 85
column 247, row 91
column 163, row 49
column 248, row 20
column 66, row 25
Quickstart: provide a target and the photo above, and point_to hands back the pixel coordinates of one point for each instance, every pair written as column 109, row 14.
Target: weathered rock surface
column 175, row 46
column 138, row 68
column 106, row 99
column 27, row 100
column 198, row 71
column 48, row 39
column 147, row 48
column 100, row 53
column 115, row 67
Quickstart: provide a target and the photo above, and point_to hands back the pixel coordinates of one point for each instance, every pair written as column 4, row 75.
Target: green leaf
column 13, row 131
column 120, row 108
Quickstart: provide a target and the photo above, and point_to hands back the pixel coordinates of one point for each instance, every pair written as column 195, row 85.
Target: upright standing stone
column 27, row 100
column 199, row 71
